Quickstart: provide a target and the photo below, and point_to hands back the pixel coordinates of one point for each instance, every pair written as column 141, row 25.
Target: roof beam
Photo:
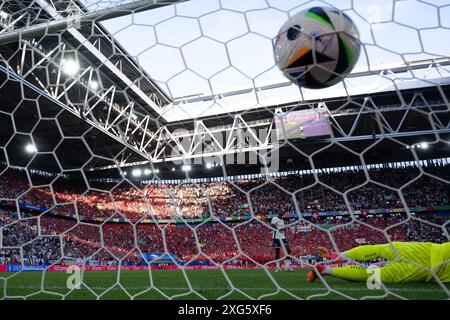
column 62, row 23
column 399, row 67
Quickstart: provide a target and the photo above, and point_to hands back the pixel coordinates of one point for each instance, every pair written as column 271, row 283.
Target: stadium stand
column 61, row 237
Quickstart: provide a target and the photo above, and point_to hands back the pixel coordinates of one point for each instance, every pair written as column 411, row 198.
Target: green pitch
column 196, row 284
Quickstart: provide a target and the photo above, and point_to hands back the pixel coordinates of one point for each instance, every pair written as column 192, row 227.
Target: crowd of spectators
column 60, row 239
column 37, row 238
column 327, row 192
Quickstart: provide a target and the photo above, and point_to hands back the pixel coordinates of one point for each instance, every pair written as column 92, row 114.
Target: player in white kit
column 280, row 241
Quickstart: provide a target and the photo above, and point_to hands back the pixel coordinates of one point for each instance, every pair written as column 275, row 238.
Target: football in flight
column 318, row 47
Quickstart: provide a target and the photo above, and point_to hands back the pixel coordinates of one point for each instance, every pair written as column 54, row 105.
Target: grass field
column 210, row 284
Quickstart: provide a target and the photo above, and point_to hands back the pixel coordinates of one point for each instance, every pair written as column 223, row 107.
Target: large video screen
column 303, row 124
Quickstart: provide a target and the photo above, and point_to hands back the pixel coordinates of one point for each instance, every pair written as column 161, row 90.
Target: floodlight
column 30, row 148
column 136, row 172
column 70, row 67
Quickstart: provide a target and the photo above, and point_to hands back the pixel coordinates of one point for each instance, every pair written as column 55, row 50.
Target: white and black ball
column 318, row 47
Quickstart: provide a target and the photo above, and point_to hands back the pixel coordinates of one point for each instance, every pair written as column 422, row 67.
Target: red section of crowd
column 52, row 238
column 223, row 199
column 217, row 243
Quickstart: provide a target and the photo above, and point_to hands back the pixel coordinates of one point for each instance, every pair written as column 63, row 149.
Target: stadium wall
column 60, row 268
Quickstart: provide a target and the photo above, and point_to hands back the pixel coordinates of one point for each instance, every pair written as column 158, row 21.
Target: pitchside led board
column 303, row 124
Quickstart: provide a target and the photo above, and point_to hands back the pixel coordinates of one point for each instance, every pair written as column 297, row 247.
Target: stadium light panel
column 186, row 168
column 209, row 165
column 136, row 173
column 3, row 15
column 30, row 148
column 70, row 67
column 424, row 145
column 173, row 169
column 147, row 172
column 94, row 85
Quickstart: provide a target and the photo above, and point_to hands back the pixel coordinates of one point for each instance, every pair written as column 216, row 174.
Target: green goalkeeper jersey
column 440, row 259
column 416, row 258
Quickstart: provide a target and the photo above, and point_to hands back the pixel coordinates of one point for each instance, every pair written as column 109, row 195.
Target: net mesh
column 76, row 95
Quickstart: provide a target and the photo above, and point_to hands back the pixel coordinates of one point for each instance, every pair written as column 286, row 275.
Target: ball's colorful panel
column 321, row 44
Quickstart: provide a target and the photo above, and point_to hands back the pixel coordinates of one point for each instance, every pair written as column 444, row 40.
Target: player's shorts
column 277, row 243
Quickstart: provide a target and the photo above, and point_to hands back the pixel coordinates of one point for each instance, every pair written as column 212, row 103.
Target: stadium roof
column 392, row 89
column 222, row 61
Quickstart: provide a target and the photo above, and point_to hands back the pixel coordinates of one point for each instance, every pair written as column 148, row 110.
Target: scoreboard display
column 303, row 124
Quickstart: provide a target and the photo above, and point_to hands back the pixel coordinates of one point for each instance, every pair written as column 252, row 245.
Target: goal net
column 147, row 147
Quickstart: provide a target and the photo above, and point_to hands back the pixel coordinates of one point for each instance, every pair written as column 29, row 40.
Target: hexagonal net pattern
column 141, row 158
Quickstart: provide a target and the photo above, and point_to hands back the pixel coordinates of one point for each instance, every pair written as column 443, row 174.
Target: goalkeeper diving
column 408, row 262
